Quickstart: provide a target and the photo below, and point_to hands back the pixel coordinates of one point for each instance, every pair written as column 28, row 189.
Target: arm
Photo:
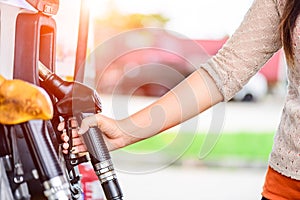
column 192, row 96
column 254, row 42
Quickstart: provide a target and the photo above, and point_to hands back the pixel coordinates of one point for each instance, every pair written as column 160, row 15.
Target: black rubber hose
column 41, row 149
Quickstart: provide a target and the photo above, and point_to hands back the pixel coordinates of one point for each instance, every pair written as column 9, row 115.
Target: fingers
column 79, row 148
column 77, row 143
column 65, row 146
column 65, row 138
column 61, row 126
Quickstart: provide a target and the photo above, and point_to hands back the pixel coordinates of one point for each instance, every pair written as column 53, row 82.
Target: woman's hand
column 78, row 145
column 113, row 135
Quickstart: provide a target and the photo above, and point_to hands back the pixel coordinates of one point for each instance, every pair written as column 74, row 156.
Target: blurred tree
column 115, row 22
column 110, row 68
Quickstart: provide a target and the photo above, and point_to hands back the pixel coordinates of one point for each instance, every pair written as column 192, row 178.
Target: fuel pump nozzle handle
column 76, row 99
column 101, row 161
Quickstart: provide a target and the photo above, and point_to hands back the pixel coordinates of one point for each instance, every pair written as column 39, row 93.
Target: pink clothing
column 254, row 42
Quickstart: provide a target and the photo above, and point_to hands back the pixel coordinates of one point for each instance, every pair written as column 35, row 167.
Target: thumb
column 90, row 121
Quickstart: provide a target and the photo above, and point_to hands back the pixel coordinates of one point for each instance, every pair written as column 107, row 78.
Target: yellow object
column 21, row 101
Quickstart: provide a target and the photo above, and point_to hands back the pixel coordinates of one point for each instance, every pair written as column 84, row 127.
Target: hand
column 113, row 135
column 78, row 145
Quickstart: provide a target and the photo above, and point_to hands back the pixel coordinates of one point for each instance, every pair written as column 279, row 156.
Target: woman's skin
column 192, row 96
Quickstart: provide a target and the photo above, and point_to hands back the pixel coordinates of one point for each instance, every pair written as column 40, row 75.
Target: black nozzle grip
column 101, row 161
column 94, row 142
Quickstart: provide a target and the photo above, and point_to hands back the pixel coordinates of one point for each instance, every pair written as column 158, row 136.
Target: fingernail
column 65, row 145
column 66, row 138
column 60, row 126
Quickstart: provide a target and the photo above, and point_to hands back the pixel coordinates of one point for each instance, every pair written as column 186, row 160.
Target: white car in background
column 255, row 90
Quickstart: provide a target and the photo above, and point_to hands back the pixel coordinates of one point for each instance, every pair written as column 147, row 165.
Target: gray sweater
column 253, row 43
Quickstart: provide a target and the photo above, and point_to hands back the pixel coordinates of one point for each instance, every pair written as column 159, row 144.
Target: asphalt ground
column 180, row 183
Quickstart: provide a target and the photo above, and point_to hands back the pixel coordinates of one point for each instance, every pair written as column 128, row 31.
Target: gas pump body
column 27, row 36
column 34, row 41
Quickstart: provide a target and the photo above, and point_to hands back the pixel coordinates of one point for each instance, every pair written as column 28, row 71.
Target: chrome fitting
column 105, row 171
column 57, row 188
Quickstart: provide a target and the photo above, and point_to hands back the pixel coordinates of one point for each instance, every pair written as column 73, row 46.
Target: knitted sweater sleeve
column 247, row 50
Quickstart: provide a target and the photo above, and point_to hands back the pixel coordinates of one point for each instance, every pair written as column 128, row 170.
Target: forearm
column 192, row 96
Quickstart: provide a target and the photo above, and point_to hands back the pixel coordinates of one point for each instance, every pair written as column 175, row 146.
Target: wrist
column 129, row 131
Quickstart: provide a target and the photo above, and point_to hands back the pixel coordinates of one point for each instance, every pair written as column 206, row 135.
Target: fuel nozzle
column 76, row 99
column 73, row 97
column 53, row 83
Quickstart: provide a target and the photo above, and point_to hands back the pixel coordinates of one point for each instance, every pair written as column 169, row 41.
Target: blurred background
column 137, row 51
